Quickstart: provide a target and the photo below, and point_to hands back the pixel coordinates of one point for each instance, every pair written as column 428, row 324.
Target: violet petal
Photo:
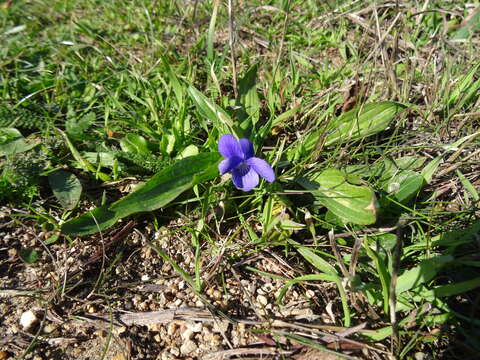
column 245, row 181
column 228, row 146
column 247, row 148
column 262, row 168
column 228, row 164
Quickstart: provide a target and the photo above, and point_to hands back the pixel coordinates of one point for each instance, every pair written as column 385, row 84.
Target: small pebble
column 188, row 347
column 48, row 329
column 262, row 300
column 119, row 356
column 28, row 319
column 175, row 351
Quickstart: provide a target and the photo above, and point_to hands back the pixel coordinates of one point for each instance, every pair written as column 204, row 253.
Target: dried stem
column 395, row 343
column 231, row 42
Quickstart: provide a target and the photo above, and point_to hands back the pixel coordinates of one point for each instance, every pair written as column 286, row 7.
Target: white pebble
column 262, row 300
column 28, row 319
column 188, row 347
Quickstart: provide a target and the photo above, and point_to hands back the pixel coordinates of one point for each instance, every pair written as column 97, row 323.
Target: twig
column 334, row 246
column 397, row 256
column 260, row 352
column 231, row 42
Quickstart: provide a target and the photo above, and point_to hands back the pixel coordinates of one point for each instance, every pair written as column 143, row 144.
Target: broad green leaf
column 100, row 159
column 161, row 189
column 405, row 185
column 409, row 162
column 66, row 188
column 456, row 288
column 76, row 128
column 190, row 150
column 28, row 255
column 424, row 272
column 167, row 143
column 13, row 142
column 211, row 111
column 363, row 121
column 352, row 203
column 248, row 99
column 135, row 144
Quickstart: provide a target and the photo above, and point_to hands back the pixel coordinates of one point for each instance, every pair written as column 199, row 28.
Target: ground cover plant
column 239, row 179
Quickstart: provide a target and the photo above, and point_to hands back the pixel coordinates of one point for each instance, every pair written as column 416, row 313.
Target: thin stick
column 231, row 43
column 395, row 339
column 336, row 252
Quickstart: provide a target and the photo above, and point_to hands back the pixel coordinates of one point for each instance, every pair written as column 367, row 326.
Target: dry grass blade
column 151, row 317
column 259, row 352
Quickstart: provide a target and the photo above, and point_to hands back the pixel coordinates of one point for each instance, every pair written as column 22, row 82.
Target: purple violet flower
column 239, row 160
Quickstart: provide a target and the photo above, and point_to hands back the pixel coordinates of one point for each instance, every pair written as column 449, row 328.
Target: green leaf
column 456, row 288
column 28, row 255
column 355, row 204
column 211, row 31
column 190, row 150
column 248, row 99
column 66, row 188
column 211, row 111
column 161, row 189
column 317, row 261
column 177, row 87
column 422, row 273
column 382, row 273
column 461, row 88
column 363, row 121
column 450, row 239
column 331, row 274
column 13, row 142
column 135, row 144
column 428, row 171
column 468, row 27
column 405, row 185
column 83, row 163
column 76, row 129
column 468, row 186
column 100, row 159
